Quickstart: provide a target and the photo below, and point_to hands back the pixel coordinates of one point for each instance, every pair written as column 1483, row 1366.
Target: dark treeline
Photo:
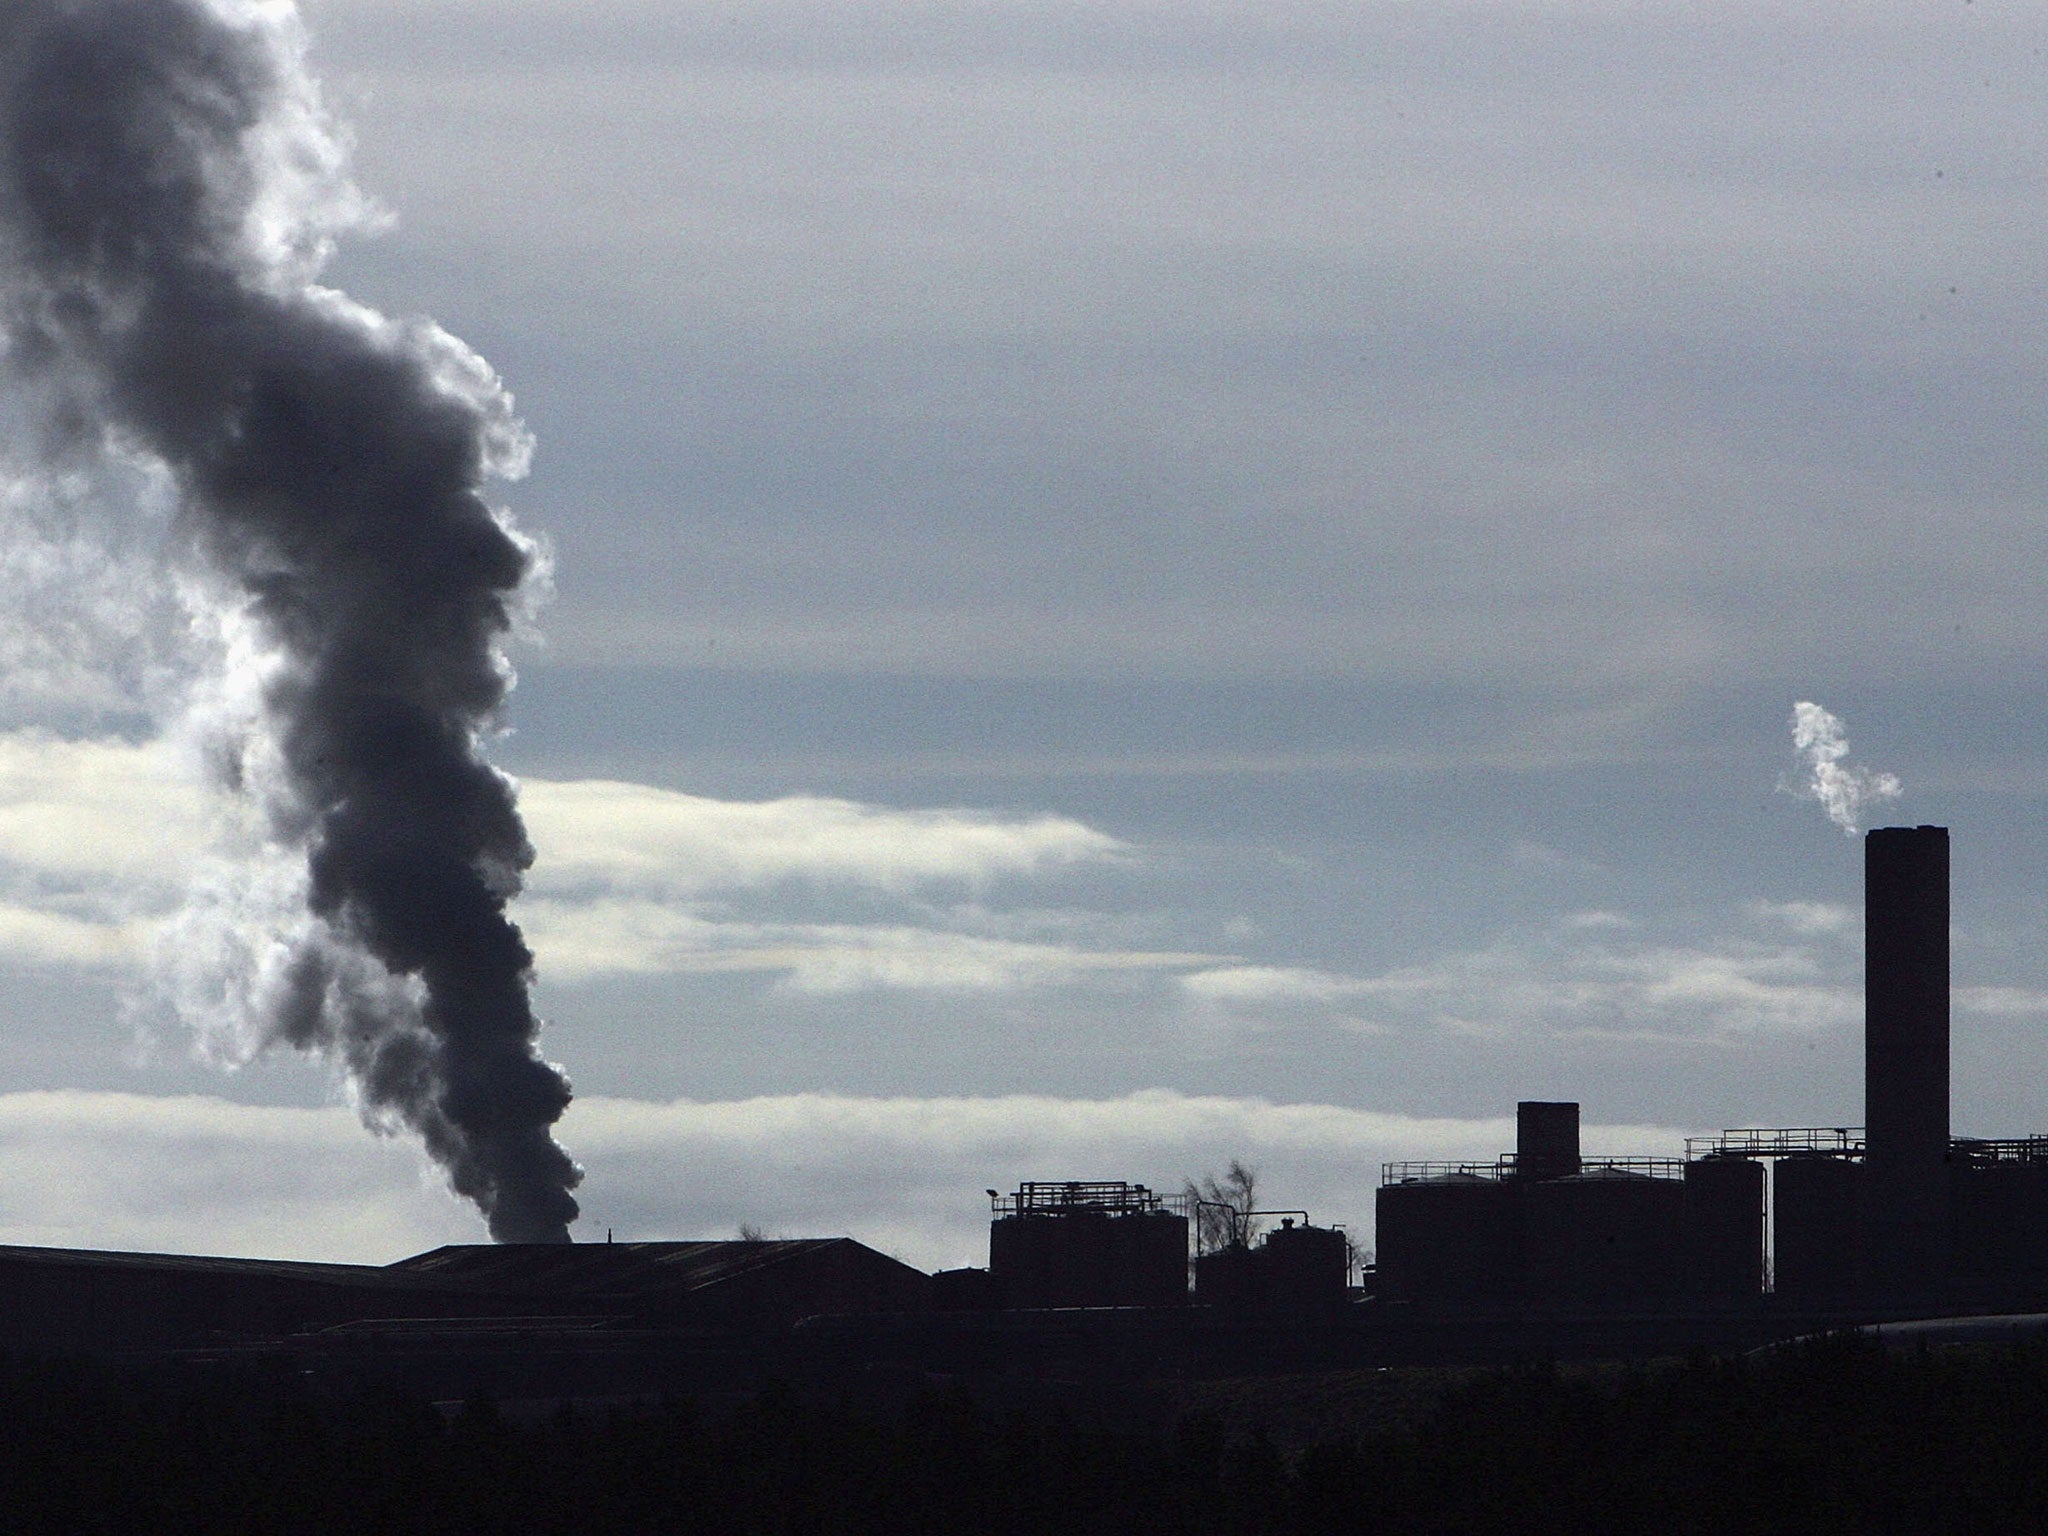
column 1835, row 1437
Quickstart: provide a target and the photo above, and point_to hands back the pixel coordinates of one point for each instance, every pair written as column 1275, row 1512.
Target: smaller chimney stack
column 1546, row 1139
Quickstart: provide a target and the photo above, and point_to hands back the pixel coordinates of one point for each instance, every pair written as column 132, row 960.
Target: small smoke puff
column 1843, row 792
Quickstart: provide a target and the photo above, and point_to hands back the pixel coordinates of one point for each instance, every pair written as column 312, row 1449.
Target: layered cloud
column 594, row 834
column 904, row 1174
column 627, row 937
column 201, row 1175
column 638, row 880
column 1501, row 341
column 101, row 840
column 1772, row 967
column 97, row 839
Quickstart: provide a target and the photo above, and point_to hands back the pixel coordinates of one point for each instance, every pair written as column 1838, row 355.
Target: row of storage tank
column 1123, row 1245
column 1544, row 1226
column 1527, row 1230
column 1600, row 1236
column 1897, row 1210
column 1993, row 1233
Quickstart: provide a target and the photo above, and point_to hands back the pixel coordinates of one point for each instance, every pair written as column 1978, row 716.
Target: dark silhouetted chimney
column 1905, row 1052
column 1546, row 1139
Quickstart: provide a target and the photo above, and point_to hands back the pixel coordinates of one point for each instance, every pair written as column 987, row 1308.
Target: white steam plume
column 1844, row 792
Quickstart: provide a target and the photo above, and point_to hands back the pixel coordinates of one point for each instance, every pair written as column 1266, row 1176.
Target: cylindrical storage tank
column 1064, row 1260
column 963, row 1290
column 1453, row 1240
column 1724, row 1229
column 1601, row 1239
column 1818, row 1233
column 1224, row 1278
column 1086, row 1258
column 2001, row 1214
column 1151, row 1267
column 1303, row 1266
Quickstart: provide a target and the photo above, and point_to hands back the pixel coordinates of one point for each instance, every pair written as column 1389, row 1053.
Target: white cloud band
column 100, row 842
column 1588, row 973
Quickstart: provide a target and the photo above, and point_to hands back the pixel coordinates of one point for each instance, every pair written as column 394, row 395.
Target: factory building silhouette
column 1753, row 1234
column 1112, row 1244
column 1895, row 1213
column 1898, row 1211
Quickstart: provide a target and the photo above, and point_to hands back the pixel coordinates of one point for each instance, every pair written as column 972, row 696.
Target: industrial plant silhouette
column 1754, row 1234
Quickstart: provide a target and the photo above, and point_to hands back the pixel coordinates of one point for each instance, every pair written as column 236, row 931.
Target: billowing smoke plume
column 1822, row 743
column 167, row 190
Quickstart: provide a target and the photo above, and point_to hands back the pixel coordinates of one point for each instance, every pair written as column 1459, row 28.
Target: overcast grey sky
column 1137, row 584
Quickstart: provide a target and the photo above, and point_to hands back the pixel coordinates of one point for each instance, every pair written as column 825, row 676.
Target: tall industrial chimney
column 1905, row 1054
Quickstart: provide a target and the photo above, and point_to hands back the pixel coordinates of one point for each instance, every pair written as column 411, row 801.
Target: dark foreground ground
column 1839, row 1435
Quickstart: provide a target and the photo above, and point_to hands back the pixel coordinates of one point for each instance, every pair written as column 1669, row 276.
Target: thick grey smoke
column 167, row 187
column 1822, row 742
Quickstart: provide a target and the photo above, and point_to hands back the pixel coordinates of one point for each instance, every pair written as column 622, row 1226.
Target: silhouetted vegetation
column 1223, row 1208
column 1838, row 1436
